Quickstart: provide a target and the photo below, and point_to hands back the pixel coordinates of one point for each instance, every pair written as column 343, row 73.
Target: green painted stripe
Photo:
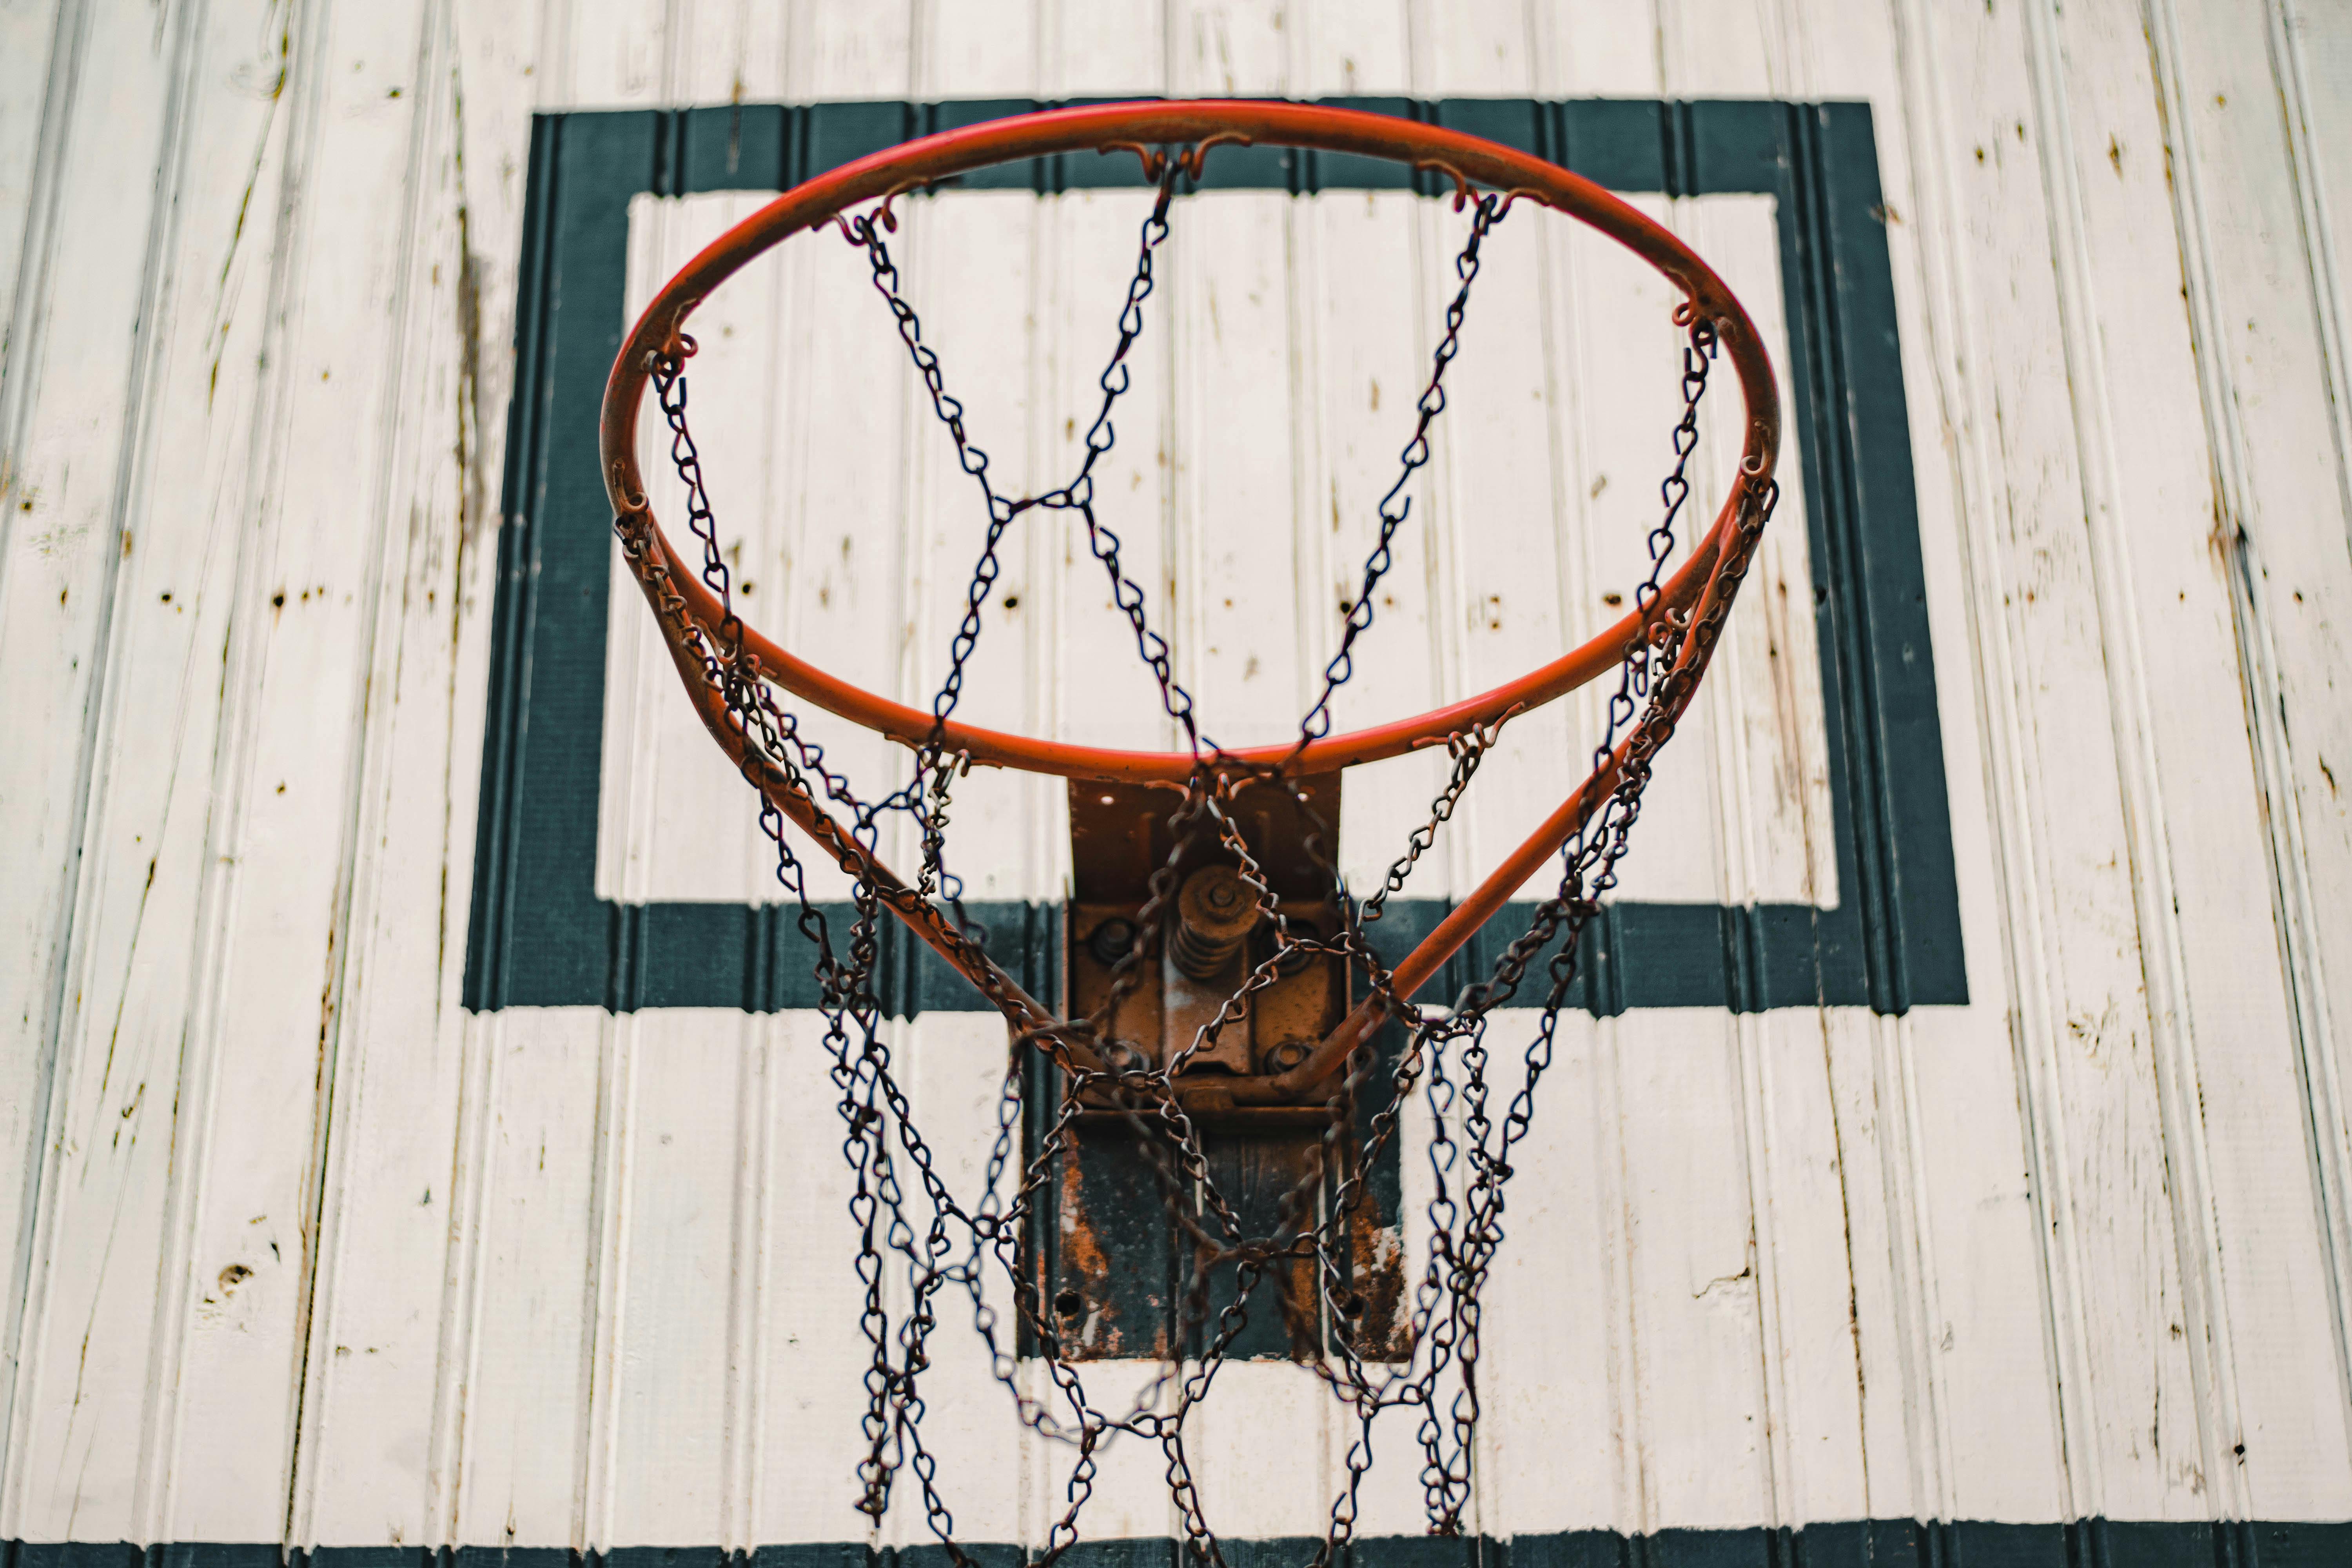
column 1862, row 1543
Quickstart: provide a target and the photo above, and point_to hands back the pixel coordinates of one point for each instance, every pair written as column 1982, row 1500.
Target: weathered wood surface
column 2082, row 1247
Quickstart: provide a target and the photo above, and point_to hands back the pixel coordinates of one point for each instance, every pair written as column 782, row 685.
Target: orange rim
column 1703, row 585
column 1471, row 161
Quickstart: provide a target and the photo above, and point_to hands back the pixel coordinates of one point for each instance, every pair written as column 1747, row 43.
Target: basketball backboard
column 423, row 1141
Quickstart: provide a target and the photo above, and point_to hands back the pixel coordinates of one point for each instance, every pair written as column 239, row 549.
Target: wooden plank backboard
column 411, row 1137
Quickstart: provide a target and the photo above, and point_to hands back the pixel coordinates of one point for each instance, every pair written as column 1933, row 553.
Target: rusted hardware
column 1246, row 924
column 1217, row 1049
column 1219, row 937
column 1214, row 915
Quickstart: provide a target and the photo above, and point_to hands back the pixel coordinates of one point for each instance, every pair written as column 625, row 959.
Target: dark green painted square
column 539, row 936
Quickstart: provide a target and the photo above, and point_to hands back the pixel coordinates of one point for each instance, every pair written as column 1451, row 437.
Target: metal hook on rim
column 1154, row 161
column 1188, row 161
column 1480, row 736
column 1193, row 159
column 882, row 212
column 1462, row 190
column 669, row 359
column 633, row 500
column 1497, row 204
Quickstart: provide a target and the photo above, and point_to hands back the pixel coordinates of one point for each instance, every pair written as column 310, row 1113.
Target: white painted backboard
column 315, row 1246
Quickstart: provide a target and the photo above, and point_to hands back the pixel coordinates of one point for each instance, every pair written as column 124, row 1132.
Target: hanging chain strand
column 1485, row 212
column 916, row 1242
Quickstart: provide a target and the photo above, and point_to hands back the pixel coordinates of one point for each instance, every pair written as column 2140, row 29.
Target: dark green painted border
column 1871, row 1543
column 541, row 937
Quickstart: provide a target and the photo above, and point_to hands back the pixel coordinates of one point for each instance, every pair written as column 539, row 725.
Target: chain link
column 901, row 1208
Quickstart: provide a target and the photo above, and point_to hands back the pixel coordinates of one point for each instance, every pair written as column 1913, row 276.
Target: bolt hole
column 1353, row 1307
column 1069, row 1303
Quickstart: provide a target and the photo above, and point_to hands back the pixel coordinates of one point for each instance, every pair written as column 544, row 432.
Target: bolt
column 1111, row 941
column 1213, row 917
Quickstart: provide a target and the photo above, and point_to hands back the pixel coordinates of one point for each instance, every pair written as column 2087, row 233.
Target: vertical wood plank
column 2205, row 1309
column 133, row 1038
column 1095, row 683
column 1231, row 48
column 1376, row 287
column 38, row 42
column 678, row 821
column 1690, row 1254
column 1608, row 396
column 1596, row 50
column 1469, row 49
column 972, row 271
column 2308, row 53
column 43, row 56
column 690, row 1176
column 839, row 553
column 1953, row 1193
column 1767, row 698
column 812, row 1356
column 2253, row 298
column 2100, row 1295
column 1621, row 337
column 388, row 1333
column 1509, row 442
column 1230, row 602
column 850, row 51
column 366, row 94
column 626, row 53
column 1770, row 769
column 530, row 1220
column 1345, row 49
column 952, row 1065
column 981, row 51
column 1090, row 50
column 2097, row 1132
column 1565, row 1417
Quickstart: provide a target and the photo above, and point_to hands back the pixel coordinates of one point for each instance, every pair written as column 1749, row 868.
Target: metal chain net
column 919, row 1245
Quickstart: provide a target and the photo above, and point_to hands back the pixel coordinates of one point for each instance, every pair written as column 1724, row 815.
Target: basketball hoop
column 1220, row 944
